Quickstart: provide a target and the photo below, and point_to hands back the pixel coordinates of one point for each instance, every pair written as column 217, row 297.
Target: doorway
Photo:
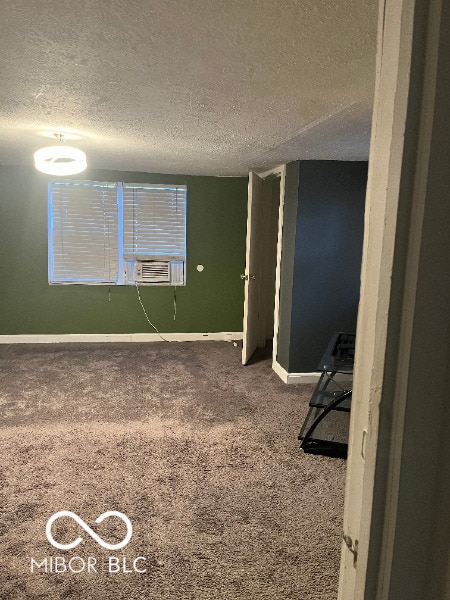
column 263, row 258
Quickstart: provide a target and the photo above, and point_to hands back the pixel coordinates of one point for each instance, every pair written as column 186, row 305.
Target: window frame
column 123, row 259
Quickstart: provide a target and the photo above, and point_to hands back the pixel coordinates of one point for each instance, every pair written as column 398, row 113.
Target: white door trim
column 396, row 504
column 279, row 171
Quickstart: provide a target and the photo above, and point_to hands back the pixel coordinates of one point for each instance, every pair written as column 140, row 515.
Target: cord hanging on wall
column 60, row 160
column 146, row 315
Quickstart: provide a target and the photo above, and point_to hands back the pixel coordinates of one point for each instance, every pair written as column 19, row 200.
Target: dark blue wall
column 328, row 251
column 321, row 258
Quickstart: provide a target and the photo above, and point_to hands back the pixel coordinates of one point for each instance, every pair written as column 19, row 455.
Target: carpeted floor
column 200, row 453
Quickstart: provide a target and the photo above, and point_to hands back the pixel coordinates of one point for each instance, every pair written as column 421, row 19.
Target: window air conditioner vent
column 152, row 271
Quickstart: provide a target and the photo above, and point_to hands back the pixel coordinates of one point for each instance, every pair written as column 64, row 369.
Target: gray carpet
column 199, row 452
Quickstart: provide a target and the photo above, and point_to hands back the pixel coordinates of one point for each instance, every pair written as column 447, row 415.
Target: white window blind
column 154, row 220
column 83, row 232
column 111, row 232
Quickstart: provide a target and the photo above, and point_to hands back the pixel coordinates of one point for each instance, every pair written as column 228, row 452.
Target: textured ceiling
column 212, row 87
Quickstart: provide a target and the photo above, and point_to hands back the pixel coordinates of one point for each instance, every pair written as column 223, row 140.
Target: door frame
column 276, row 172
column 396, row 496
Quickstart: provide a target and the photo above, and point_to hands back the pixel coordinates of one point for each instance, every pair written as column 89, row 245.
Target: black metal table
column 325, row 430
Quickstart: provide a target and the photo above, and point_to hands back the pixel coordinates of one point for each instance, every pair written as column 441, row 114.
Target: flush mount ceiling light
column 60, row 160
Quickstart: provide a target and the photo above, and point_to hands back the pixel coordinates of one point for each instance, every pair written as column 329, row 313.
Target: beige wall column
column 397, row 492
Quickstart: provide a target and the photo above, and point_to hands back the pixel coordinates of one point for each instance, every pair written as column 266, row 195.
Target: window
column 116, row 233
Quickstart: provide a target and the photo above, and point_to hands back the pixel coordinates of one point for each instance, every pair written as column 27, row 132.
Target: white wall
column 397, row 494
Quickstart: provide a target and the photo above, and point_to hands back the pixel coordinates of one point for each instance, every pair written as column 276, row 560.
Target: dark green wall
column 211, row 301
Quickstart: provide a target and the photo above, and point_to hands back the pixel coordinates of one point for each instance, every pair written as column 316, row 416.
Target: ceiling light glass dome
column 60, row 160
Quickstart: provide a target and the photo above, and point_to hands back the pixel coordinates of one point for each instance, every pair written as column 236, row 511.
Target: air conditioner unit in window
column 152, row 271
column 168, row 272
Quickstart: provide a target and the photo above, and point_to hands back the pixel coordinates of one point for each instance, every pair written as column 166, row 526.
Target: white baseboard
column 303, row 377
column 287, row 377
column 222, row 336
column 280, row 371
